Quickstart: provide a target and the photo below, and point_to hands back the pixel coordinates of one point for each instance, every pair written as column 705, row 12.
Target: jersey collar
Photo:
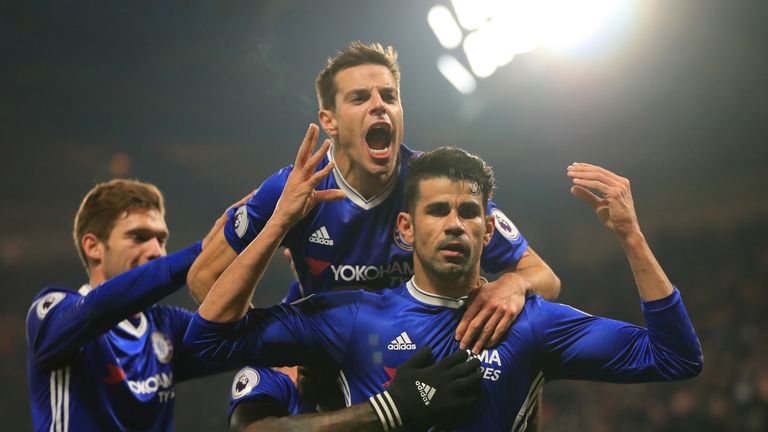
column 433, row 299
column 355, row 196
column 136, row 331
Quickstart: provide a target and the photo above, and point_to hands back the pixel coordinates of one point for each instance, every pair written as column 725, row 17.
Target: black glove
column 423, row 394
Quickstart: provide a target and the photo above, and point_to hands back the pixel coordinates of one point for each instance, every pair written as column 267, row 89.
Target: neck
column 452, row 286
column 95, row 277
column 358, row 178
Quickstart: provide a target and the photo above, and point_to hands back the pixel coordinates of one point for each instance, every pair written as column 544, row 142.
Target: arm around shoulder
column 539, row 276
column 61, row 321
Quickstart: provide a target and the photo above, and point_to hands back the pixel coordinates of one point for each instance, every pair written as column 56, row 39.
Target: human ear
column 490, row 222
column 93, row 247
column 329, row 123
column 405, row 226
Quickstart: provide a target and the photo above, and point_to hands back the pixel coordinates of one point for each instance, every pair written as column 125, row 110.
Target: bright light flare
column 480, row 46
column 473, row 13
column 566, row 25
column 444, row 26
column 456, row 74
column 495, row 31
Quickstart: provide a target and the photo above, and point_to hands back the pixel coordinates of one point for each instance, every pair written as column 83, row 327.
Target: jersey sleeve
column 313, row 331
column 506, row 246
column 581, row 346
column 244, row 223
column 295, row 293
column 255, row 384
column 59, row 322
column 186, row 366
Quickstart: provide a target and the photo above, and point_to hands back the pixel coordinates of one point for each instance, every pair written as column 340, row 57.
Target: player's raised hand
column 615, row 208
column 299, row 196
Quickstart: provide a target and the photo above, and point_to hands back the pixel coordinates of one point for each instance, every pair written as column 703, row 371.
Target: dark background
column 207, row 99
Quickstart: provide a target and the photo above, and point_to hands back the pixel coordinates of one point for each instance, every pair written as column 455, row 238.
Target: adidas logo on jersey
column 426, row 391
column 321, row 237
column 402, row 342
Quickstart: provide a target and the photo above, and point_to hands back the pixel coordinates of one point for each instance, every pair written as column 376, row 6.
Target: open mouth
column 379, row 139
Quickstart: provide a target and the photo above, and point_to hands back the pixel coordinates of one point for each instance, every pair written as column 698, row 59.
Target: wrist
column 520, row 285
column 280, row 223
column 632, row 239
column 386, row 410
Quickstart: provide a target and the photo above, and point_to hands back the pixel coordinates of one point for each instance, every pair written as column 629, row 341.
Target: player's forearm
column 539, row 276
column 652, row 282
column 231, row 294
column 357, row 418
column 201, row 278
column 139, row 288
column 543, row 281
column 211, row 263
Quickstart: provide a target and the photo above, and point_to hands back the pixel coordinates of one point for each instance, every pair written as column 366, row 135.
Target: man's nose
column 378, row 107
column 154, row 249
column 453, row 224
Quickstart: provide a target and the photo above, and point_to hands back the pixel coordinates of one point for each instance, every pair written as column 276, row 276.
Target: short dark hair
column 106, row 202
column 356, row 54
column 452, row 163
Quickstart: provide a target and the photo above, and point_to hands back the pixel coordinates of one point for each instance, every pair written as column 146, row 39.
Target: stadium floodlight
column 473, row 14
column 456, row 74
column 516, row 25
column 566, row 23
column 445, row 27
column 495, row 31
column 508, row 34
column 480, row 47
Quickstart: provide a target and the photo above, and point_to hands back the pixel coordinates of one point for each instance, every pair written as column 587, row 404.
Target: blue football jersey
column 368, row 335
column 255, row 384
column 105, row 358
column 354, row 242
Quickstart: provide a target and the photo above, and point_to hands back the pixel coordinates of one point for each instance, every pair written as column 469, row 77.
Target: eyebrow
column 471, row 205
column 367, row 90
column 148, row 233
column 389, row 89
column 439, row 205
column 356, row 92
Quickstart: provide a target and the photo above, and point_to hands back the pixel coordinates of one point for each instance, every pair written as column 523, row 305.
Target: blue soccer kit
column 367, row 335
column 106, row 358
column 354, row 242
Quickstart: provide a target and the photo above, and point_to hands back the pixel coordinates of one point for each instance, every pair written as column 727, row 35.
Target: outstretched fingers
column 615, row 208
column 305, row 150
column 597, row 178
column 587, row 196
column 594, row 172
column 312, row 161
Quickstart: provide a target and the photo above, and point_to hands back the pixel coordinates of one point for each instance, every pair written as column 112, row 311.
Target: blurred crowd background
column 207, row 99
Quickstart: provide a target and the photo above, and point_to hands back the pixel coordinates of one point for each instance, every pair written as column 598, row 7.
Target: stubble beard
column 443, row 270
